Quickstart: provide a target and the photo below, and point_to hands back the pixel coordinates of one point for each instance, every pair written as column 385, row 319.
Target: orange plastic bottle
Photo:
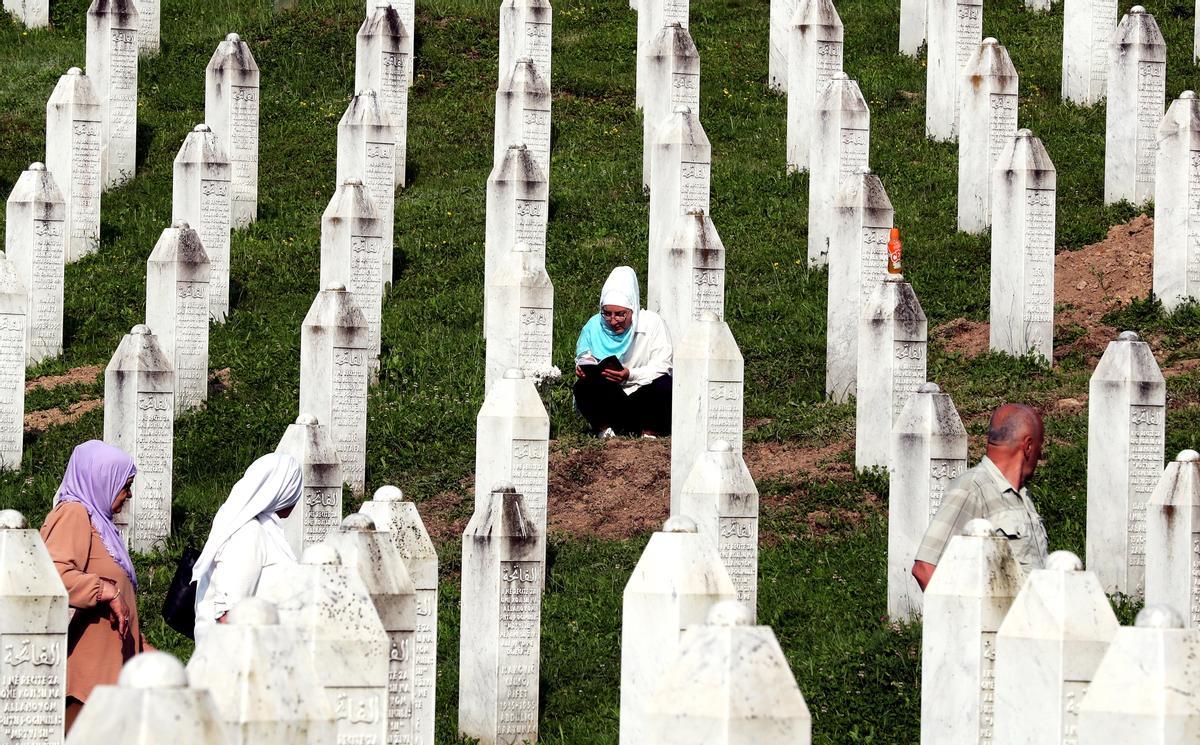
column 894, row 251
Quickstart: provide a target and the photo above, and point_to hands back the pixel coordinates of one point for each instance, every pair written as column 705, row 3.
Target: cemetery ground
column 823, row 558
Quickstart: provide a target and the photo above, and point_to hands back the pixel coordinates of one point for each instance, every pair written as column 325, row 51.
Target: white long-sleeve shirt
column 236, row 571
column 649, row 356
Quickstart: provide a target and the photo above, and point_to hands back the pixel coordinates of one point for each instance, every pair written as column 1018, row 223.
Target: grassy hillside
column 822, row 588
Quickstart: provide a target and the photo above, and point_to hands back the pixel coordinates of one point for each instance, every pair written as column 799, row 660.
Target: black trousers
column 604, row 404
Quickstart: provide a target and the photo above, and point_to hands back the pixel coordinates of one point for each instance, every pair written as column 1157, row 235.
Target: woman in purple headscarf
column 95, row 567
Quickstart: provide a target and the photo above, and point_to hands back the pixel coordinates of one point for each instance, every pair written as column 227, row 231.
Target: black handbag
column 179, row 607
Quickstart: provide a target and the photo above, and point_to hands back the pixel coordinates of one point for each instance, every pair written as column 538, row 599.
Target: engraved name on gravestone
column 366, row 152
column 652, row 16
column 404, row 528
column 320, row 507
column 815, row 38
column 517, row 211
column 519, row 328
column 352, row 252
column 139, row 418
column 863, row 217
column 1137, row 81
column 112, row 65
column 928, row 451
column 14, row 311
column 1126, row 431
column 177, row 278
column 408, row 17
column 841, row 146
column 200, row 196
column 672, row 79
column 1024, row 198
column 382, row 61
column 1173, row 539
column 335, row 364
column 231, row 103
column 1177, row 204
column 892, row 344
column 73, row 157
column 987, row 121
column 33, row 636
column 955, row 28
column 693, row 280
column 149, row 26
column 526, row 28
column 500, row 642
column 523, row 113
column 35, row 241
column 707, row 396
column 680, row 171
column 1087, row 31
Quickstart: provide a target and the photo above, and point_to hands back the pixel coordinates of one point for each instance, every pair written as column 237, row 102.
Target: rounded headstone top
column 12, row 520
column 503, row 487
column 357, row 521
column 153, row 670
column 729, row 613
column 680, row 524
column 1137, row 9
column 1158, row 617
column 674, row 24
column 37, row 166
column 1064, row 561
column 894, row 278
column 524, row 60
column 682, row 108
column 990, row 41
column 254, row 611
column 1026, row 133
column 709, row 316
column 321, row 554
column 180, row 225
column 1188, row 95
column 140, row 330
column 74, row 71
column 233, row 38
column 352, row 182
column 839, row 76
column 306, row 420
column 335, row 287
column 518, row 146
column 513, row 373
column 978, row 528
column 1128, row 336
column 202, row 128
column 389, row 494
column 1187, row 456
column 929, row 388
column 367, row 92
column 720, row 446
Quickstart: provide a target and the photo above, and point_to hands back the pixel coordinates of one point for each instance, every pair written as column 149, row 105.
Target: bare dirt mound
column 86, row 375
column 40, row 421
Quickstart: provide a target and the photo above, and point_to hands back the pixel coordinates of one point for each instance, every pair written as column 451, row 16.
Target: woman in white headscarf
column 247, row 536
column 623, row 361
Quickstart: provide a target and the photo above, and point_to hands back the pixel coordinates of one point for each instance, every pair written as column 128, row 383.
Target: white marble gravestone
column 383, row 56
column 354, row 245
column 1087, row 31
column 520, row 324
column 693, row 276
column 150, row 704
column 523, row 113
column 677, row 580
column 320, row 507
column 928, row 451
column 1144, row 692
column 149, row 26
column 404, row 527
column 263, row 680
column 1137, row 81
column 500, row 642
column 729, row 684
column 29, row 13
column 329, row 605
column 1126, row 432
column 14, row 311
column 1047, row 650
column 177, row 278
column 408, row 17
column 518, row 207
column 139, row 418
column 857, row 258
column 815, row 45
column 913, row 18
column 335, row 365
column 778, row 43
column 680, row 171
column 954, row 28
column 1024, row 198
column 366, row 153
column 965, row 603
column 512, row 446
column 841, row 148
column 1177, row 204
column 1173, row 539
column 200, row 196
column 892, row 346
column 706, row 396
column 526, row 28
column 35, row 241
column 720, row 495
column 33, row 636
column 987, row 121
column 73, row 157
column 231, row 101
column 672, row 79
column 112, row 66
column 381, row 568
column 652, row 16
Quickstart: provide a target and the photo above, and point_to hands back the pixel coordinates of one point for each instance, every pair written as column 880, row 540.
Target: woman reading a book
column 623, row 362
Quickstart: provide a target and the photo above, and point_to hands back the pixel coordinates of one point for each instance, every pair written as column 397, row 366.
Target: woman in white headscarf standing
column 247, row 536
column 623, row 362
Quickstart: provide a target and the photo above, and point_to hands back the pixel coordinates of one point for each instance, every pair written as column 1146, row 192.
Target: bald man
column 994, row 490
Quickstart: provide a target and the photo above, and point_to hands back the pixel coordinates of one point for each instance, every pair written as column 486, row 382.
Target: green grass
column 822, row 591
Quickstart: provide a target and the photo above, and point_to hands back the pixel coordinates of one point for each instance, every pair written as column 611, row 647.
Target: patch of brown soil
column 1181, row 367
column 774, row 460
column 86, row 375
column 220, row 380
column 40, row 421
column 962, row 336
column 1067, row 406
